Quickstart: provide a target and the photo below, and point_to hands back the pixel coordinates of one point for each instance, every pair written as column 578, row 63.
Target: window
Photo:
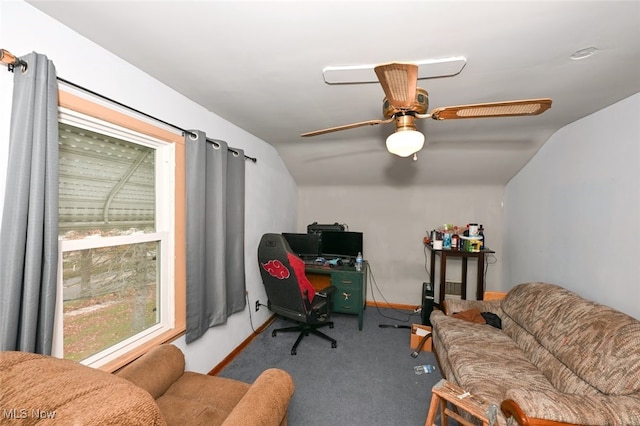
column 118, row 289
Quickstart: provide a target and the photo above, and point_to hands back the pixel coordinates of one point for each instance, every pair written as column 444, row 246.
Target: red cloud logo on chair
column 276, row 269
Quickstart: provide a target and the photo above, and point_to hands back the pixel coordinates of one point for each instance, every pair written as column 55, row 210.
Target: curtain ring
column 216, row 145
column 193, row 136
column 235, row 153
column 18, row 63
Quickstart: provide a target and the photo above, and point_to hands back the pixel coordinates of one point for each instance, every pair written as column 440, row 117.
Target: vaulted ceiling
column 259, row 65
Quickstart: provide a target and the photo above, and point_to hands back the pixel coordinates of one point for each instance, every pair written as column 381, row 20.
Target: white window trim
column 165, row 233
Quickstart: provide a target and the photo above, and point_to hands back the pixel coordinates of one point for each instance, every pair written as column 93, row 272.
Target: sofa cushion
column 594, row 342
column 560, row 376
column 479, row 354
column 576, row 408
column 497, row 362
column 458, row 332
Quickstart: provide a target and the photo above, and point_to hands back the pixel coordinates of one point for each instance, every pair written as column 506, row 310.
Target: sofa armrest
column 531, row 408
column 451, row 306
column 266, row 402
column 156, row 370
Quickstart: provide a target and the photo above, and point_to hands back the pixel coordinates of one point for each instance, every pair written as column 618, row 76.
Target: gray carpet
column 367, row 380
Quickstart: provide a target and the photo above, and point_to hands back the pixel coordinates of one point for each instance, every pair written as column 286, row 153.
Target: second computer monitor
column 341, row 244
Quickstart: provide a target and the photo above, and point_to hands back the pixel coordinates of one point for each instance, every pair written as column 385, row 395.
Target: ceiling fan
column 405, row 102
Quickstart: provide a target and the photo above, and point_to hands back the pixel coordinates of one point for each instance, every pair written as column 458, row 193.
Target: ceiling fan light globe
column 404, row 143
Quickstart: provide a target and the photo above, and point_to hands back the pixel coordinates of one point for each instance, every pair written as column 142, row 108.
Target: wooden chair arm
column 510, row 408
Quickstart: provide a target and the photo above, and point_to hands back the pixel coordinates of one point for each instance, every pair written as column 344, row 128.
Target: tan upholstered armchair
column 153, row 390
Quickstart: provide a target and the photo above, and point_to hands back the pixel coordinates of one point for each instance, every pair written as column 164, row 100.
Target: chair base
column 304, row 330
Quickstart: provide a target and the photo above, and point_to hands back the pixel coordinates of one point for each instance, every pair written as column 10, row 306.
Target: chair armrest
column 266, row 402
column 326, row 292
column 531, row 408
column 156, row 370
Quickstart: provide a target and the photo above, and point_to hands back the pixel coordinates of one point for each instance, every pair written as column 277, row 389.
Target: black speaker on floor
column 427, row 302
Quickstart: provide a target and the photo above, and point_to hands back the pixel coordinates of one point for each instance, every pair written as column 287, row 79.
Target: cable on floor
column 373, row 279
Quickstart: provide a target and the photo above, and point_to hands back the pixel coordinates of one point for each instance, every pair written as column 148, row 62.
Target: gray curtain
column 215, row 233
column 29, row 234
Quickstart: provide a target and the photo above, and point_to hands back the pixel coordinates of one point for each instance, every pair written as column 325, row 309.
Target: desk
column 351, row 287
column 465, row 255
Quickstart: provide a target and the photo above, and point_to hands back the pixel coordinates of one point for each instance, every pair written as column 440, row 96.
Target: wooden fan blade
column 346, row 127
column 399, row 82
column 493, row 109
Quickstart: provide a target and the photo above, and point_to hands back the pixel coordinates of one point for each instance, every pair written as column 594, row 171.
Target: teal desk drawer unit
column 351, row 287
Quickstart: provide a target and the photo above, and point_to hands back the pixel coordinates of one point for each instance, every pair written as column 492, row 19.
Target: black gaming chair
column 289, row 292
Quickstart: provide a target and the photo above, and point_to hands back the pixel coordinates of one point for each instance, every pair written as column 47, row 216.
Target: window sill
column 123, row 360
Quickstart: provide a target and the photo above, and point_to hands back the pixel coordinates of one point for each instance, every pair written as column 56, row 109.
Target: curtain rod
column 12, row 61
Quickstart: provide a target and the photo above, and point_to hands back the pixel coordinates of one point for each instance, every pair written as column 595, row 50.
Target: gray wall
column 271, row 195
column 394, row 219
column 572, row 214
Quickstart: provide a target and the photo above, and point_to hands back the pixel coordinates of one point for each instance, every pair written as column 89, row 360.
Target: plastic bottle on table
column 359, row 262
column 455, row 239
column 421, row 369
column 446, row 240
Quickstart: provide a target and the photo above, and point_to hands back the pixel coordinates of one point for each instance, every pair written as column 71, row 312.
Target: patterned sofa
column 559, row 359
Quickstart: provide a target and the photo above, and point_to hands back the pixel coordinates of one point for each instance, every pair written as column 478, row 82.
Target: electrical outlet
column 257, row 305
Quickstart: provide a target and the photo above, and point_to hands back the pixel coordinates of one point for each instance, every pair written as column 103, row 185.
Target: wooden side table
column 446, row 392
column 465, row 255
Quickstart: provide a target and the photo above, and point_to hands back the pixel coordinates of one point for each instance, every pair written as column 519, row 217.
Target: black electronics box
column 316, row 227
column 427, row 303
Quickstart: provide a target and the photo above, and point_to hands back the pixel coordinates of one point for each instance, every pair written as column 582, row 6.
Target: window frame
column 76, row 109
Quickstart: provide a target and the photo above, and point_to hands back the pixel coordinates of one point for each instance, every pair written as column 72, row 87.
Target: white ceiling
column 259, row 65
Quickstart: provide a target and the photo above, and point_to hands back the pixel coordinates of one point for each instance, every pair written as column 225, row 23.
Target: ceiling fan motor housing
column 419, row 106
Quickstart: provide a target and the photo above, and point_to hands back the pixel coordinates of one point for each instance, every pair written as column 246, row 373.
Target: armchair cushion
column 189, row 400
column 67, row 392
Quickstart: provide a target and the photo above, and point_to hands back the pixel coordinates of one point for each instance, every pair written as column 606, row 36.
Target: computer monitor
column 304, row 245
column 342, row 244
